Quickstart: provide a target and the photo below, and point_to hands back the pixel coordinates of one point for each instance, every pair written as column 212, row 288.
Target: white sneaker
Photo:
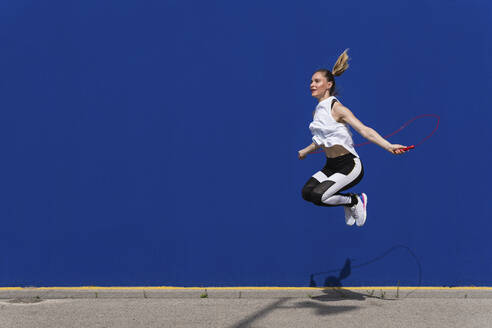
column 359, row 211
column 349, row 219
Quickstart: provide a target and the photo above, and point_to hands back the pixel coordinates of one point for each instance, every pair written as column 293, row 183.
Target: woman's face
column 319, row 85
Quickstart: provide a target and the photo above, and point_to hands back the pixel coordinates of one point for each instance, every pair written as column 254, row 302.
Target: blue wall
column 155, row 142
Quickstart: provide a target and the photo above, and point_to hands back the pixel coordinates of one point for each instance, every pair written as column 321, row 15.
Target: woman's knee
column 307, row 194
column 307, row 190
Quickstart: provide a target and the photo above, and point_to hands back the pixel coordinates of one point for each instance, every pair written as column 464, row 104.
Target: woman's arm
column 309, row 149
column 344, row 115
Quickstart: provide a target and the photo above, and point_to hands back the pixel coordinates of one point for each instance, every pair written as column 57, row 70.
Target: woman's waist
column 336, row 151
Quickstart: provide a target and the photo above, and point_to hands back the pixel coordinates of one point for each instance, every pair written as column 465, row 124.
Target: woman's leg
column 315, row 181
column 323, row 187
column 307, row 190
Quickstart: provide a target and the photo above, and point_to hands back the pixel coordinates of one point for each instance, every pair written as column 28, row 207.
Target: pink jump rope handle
column 408, row 148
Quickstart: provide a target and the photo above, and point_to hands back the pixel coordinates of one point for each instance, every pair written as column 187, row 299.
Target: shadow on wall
column 346, row 270
column 332, row 281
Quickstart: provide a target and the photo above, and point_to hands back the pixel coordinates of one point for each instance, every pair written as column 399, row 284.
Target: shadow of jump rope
column 345, row 271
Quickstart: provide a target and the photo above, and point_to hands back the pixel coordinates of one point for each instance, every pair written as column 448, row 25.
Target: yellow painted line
column 244, row 288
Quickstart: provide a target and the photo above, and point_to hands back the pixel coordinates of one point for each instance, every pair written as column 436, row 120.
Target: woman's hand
column 302, row 154
column 396, row 149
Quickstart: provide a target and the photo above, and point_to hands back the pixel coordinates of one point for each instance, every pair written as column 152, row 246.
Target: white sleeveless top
column 328, row 132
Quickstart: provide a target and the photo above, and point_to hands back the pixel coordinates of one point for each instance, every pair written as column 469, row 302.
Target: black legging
column 340, row 173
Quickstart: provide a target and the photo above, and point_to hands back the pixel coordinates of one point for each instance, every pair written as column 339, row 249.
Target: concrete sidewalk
column 120, row 308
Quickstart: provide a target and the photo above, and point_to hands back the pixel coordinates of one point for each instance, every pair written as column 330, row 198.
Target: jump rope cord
column 402, row 127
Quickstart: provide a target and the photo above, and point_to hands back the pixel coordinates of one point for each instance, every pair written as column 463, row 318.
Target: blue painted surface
column 155, row 143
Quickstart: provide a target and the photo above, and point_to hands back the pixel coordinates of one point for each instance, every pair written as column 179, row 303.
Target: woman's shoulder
column 337, row 104
column 337, row 111
column 335, row 101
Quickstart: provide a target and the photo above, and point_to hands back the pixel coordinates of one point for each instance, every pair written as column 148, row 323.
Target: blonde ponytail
column 341, row 65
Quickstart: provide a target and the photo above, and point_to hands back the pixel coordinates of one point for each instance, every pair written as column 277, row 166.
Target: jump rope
column 401, row 128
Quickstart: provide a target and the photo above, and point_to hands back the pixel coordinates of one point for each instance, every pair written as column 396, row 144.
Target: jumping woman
column 330, row 129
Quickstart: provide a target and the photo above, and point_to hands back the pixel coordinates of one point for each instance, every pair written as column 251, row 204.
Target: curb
column 333, row 293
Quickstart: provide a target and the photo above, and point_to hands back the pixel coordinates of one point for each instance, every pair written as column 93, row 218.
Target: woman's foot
column 349, row 219
column 359, row 210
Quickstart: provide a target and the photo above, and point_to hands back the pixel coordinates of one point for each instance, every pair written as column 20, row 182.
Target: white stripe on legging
column 320, row 176
column 341, row 180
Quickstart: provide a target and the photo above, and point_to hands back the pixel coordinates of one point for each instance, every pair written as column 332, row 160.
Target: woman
column 330, row 130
